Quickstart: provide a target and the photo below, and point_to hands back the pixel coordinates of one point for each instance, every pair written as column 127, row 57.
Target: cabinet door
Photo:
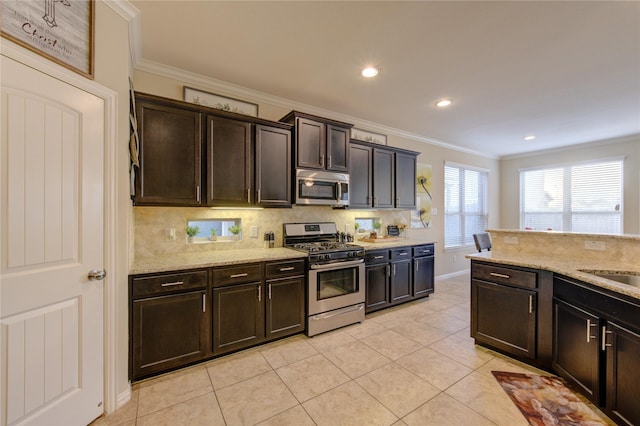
column 576, row 348
column 504, row 317
column 337, row 149
column 229, row 162
column 622, row 374
column 423, row 280
column 285, row 307
column 311, row 143
column 360, row 175
column 238, row 317
column 273, row 167
column 170, row 156
column 383, row 176
column 400, row 283
column 377, row 293
column 405, row 181
column 169, row 332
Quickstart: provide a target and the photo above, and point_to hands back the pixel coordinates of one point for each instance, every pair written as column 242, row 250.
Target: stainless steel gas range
column 336, row 281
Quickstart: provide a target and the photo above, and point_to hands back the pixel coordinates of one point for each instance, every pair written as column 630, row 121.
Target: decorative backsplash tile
column 150, row 225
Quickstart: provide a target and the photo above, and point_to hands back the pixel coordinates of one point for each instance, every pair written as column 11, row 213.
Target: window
column 465, row 204
column 215, row 229
column 573, row 198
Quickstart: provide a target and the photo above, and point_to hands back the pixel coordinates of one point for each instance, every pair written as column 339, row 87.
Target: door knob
column 95, row 275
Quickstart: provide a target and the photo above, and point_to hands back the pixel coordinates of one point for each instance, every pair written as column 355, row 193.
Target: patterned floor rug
column 545, row 400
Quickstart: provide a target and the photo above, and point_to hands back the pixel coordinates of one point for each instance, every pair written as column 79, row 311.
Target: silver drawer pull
column 404, row 253
column 172, row 284
column 378, row 257
column 238, row 275
column 290, row 268
column 495, row 274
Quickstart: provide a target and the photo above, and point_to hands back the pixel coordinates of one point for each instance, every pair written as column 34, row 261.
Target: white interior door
column 51, row 238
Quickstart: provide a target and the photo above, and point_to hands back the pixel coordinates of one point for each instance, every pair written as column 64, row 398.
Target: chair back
column 483, row 241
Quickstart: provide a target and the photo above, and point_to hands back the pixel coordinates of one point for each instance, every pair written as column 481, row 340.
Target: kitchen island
column 541, row 297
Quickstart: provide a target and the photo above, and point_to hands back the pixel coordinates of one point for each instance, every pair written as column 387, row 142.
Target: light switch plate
column 253, row 233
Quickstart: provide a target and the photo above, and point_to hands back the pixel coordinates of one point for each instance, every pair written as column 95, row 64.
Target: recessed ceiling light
column 443, row 103
column 529, row 138
column 370, row 72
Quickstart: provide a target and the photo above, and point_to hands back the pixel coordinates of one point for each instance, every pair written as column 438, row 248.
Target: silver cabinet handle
column 259, row 293
column 388, row 271
column 378, row 257
column 204, row 302
column 394, row 269
column 290, row 268
column 605, row 345
column 269, row 291
column 531, row 303
column 495, row 274
column 95, row 275
column 248, row 195
column 171, row 284
column 198, row 193
column 417, row 266
column 329, row 161
column 404, row 253
column 322, row 160
column 589, row 325
column 259, row 197
column 238, row 275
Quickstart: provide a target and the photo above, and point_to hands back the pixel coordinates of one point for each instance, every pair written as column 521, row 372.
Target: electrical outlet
column 253, row 233
column 170, row 234
column 511, row 240
column 455, row 258
column 434, row 212
column 595, row 245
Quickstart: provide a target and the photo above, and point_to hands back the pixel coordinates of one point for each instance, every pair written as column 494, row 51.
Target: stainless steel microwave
column 318, row 187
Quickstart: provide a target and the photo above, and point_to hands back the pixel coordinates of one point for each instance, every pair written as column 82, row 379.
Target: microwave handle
column 339, row 191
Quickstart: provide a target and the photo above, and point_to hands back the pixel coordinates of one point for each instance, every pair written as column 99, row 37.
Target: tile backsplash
column 150, row 225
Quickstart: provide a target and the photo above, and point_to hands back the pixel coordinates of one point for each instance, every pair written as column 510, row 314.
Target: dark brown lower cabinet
column 400, row 282
column 377, row 279
column 576, row 343
column 170, row 328
column 597, row 347
column 238, row 320
column 423, row 279
column 504, row 317
column 285, row 307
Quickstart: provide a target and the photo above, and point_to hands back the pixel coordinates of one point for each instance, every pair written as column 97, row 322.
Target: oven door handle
column 338, row 264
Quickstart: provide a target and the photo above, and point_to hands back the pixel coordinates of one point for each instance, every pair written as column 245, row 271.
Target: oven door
column 336, row 285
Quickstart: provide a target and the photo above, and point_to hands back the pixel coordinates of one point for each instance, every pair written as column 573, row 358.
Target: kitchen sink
column 623, row 277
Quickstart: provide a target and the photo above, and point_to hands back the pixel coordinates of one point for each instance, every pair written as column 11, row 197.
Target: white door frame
column 110, row 98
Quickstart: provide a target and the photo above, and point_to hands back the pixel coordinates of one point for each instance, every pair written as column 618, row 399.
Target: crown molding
column 230, row 89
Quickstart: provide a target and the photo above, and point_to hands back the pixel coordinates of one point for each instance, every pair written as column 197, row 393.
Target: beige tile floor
column 413, row 364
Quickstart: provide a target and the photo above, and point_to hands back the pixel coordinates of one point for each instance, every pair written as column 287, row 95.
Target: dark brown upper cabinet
column 320, row 143
column 229, row 162
column 381, row 177
column 273, row 166
column 191, row 155
column 170, row 155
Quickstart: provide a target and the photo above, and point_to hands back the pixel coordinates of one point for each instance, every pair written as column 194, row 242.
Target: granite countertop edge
column 570, row 268
column 183, row 261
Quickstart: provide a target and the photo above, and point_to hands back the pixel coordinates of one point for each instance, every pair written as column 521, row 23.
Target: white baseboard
column 124, row 397
column 452, row 274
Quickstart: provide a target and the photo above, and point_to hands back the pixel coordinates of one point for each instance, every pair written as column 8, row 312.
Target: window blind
column 465, row 204
column 573, row 198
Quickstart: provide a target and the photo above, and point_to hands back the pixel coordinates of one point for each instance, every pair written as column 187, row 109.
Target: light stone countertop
column 391, row 243
column 174, row 262
column 570, row 268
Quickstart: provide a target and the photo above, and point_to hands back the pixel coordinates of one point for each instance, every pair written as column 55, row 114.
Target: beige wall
column 629, row 148
column 447, row 262
column 112, row 64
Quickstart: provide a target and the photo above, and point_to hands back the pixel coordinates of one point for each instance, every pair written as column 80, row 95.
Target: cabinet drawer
column 401, row 254
column 376, row 257
column 426, row 250
column 237, row 274
column 285, row 269
column 504, row 275
column 167, row 283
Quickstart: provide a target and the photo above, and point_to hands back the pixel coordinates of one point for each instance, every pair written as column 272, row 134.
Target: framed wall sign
column 367, row 136
column 60, row 30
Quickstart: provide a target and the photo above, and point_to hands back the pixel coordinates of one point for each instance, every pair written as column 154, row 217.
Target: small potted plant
column 235, row 230
column 356, row 226
column 192, row 231
column 376, row 229
column 213, row 236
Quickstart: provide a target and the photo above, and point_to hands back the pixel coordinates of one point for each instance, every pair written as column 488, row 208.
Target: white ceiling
column 567, row 72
